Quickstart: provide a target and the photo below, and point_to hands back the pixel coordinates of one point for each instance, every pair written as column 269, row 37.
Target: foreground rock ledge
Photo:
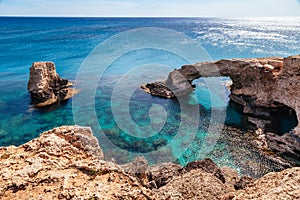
column 259, row 85
column 67, row 163
column 46, row 87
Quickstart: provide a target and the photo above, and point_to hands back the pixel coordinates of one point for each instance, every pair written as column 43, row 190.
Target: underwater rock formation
column 260, row 85
column 67, row 163
column 45, row 85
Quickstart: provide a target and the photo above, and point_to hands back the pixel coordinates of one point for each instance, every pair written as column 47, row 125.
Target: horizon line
column 109, row 16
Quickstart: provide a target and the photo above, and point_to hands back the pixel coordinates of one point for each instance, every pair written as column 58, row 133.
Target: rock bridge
column 260, row 85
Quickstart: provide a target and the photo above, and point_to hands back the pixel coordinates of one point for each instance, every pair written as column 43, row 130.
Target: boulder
column 45, row 85
column 273, row 186
column 196, row 184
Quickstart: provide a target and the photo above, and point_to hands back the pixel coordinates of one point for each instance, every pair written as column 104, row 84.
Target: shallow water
column 68, row 41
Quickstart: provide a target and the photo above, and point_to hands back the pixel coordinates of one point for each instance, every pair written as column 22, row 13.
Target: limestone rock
column 273, row 186
column 231, row 177
column 260, row 85
column 161, row 175
column 287, row 146
column 64, row 163
column 158, row 89
column 243, row 182
column 67, row 163
column 207, row 165
column 138, row 169
column 196, row 184
column 45, row 85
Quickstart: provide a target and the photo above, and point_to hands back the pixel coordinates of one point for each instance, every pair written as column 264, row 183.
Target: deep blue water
column 68, row 41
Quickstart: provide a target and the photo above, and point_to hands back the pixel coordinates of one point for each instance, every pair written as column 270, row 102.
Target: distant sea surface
column 68, row 41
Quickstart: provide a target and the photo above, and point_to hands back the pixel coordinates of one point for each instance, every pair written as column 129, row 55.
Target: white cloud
column 63, row 8
column 193, row 8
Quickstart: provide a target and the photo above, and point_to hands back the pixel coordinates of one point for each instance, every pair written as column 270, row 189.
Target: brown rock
column 207, row 165
column 64, row 163
column 243, row 182
column 45, row 85
column 231, row 177
column 162, row 174
column 260, row 85
column 138, row 169
column 158, row 89
column 273, row 186
column 287, row 145
column 196, row 184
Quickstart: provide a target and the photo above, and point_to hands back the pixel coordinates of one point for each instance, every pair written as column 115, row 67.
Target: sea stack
column 45, row 85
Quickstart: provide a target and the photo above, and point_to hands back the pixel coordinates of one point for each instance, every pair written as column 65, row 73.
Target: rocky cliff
column 45, row 85
column 67, row 163
column 63, row 163
column 261, row 86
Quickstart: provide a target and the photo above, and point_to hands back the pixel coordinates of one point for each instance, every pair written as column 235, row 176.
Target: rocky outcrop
column 45, row 85
column 262, row 86
column 64, row 163
column 196, row 184
column 67, row 163
column 273, row 186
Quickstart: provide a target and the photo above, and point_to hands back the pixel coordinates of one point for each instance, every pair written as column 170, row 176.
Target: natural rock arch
column 258, row 85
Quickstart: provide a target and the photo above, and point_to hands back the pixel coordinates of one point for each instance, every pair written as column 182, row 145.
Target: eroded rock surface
column 261, row 85
column 273, row 186
column 45, row 85
column 196, row 184
column 67, row 163
column 64, row 163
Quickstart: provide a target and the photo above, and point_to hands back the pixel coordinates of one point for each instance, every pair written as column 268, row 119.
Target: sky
column 151, row 8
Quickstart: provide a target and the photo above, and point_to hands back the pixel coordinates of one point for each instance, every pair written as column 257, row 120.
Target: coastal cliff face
column 67, row 163
column 261, row 85
column 45, row 85
column 63, row 163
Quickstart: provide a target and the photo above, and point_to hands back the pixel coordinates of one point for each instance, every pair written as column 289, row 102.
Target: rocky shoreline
column 67, row 163
column 261, row 86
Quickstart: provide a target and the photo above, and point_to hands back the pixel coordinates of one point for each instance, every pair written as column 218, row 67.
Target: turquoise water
column 68, row 41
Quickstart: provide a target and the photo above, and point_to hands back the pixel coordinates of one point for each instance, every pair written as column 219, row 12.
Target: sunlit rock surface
column 260, row 85
column 45, row 85
column 67, row 163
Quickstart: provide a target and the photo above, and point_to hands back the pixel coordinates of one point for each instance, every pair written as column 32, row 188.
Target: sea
column 115, row 56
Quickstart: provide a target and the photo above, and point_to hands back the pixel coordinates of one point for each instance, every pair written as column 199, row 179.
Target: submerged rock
column 67, row 163
column 45, row 85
